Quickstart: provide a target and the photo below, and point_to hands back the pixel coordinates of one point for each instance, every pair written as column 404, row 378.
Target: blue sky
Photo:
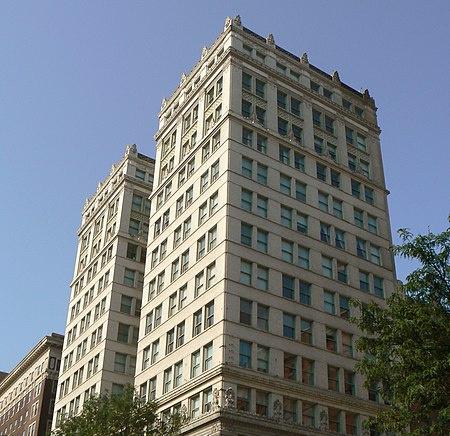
column 79, row 80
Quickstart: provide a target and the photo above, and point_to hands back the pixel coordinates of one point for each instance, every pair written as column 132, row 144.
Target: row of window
column 74, row 405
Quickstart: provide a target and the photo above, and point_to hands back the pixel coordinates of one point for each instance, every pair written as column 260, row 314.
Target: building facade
column 27, row 393
column 99, row 353
column 268, row 214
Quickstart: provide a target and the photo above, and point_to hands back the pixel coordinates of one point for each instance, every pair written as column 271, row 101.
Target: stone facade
column 27, row 393
column 269, row 212
column 99, row 351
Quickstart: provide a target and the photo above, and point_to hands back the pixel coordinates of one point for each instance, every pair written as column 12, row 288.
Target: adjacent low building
column 27, row 393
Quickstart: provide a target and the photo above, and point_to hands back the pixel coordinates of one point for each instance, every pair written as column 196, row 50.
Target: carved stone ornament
column 99, row 186
column 229, row 398
column 184, row 413
column 183, row 78
column 304, row 58
column 113, row 168
column 336, row 77
column 270, row 39
column 130, row 149
column 277, row 410
column 228, row 22
column 204, row 51
column 237, row 20
column 216, row 394
column 323, row 420
column 163, row 103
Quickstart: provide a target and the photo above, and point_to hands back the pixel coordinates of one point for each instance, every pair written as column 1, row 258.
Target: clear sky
column 79, row 80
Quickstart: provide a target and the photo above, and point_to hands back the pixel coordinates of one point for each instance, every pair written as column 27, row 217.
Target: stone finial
column 113, row 168
column 204, row 51
column 183, row 78
column 130, row 149
column 237, row 20
column 366, row 94
column 228, row 22
column 99, row 186
column 270, row 39
column 336, row 77
column 368, row 99
column 304, row 58
column 163, row 103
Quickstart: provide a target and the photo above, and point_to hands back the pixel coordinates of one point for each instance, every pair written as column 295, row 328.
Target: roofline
column 54, row 339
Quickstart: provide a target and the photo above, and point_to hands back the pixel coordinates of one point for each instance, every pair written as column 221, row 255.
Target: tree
column 406, row 345
column 118, row 414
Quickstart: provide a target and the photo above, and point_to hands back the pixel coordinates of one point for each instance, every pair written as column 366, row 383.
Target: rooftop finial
column 130, row 149
column 237, row 20
column 228, row 22
column 163, row 103
column 336, row 77
column 304, row 58
column 204, row 51
column 183, row 78
column 270, row 39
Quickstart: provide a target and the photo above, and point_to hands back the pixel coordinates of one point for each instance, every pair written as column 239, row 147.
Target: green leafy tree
column 406, row 345
column 121, row 414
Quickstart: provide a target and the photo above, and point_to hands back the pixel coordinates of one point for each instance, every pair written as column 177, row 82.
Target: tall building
column 99, row 353
column 268, row 214
column 27, row 393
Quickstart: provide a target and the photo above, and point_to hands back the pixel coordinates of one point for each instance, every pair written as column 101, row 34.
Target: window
column 288, row 285
column 285, row 184
column 180, row 334
column 307, row 371
column 195, row 364
column 297, row 133
column 372, row 225
column 245, row 313
column 120, row 361
column 375, row 255
column 328, row 302
column 308, row 414
column 261, row 174
column 287, row 249
column 305, row 292
column 178, row 374
column 246, row 108
column 197, row 323
column 170, row 341
column 364, row 281
column 129, row 277
column 327, row 267
column 350, row 423
column 361, row 248
column 210, row 275
column 122, row 333
column 260, row 88
column 212, row 237
column 288, row 325
column 282, row 126
column 335, row 177
column 339, row 239
column 261, row 143
column 207, row 356
column 167, row 380
column 344, row 307
column 325, row 233
column 295, row 106
column 262, row 317
column 246, row 234
column 204, row 180
column 323, row 201
column 356, row 188
column 302, row 223
column 290, row 366
column 337, row 208
column 281, row 99
column 262, row 403
column 201, row 247
column 246, row 273
column 262, row 240
column 262, row 278
column 342, row 272
column 246, row 200
column 261, row 206
column 359, row 218
column 247, row 137
column 330, row 339
column 347, row 344
column 333, row 378
column 262, row 358
column 321, row 172
column 290, row 410
column 286, row 216
column 246, row 81
column 378, row 286
column 303, row 257
column 209, row 314
column 368, row 195
column 125, row 304
column 243, row 399
column 245, row 354
column 306, row 331
column 284, row 154
column 300, row 191
column 334, row 420
column 349, row 382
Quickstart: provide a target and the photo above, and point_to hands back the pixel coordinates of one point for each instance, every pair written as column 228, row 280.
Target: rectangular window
column 262, row 359
column 262, row 317
column 285, row 184
column 260, row 88
column 261, row 143
column 339, row 239
column 282, row 126
column 246, row 200
column 195, row 364
column 328, row 302
column 302, row 223
column 306, row 331
column 321, row 172
column 262, row 278
column 361, row 248
column 245, row 312
column 349, row 382
column 261, row 206
column 334, row 420
column 327, row 267
column 197, row 323
column 378, row 286
column 323, row 201
column 247, row 137
column 308, row 414
column 364, row 281
column 286, row 216
column 344, row 307
column 330, row 339
column 245, row 354
column 325, row 235
column 262, row 403
column 333, row 378
column 300, row 191
column 295, row 106
column 287, row 250
column 303, row 257
column 261, row 174
column 288, row 286
column 246, row 108
column 368, row 195
column 262, row 240
column 246, row 234
column 289, row 325
column 207, row 356
column 246, row 273
column 375, row 254
column 305, row 292
column 356, row 189
column 347, row 344
column 307, row 371
column 243, row 399
column 284, row 154
column 290, row 366
column 209, row 314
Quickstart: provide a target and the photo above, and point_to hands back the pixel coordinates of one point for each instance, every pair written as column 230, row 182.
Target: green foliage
column 407, row 343
column 124, row 414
